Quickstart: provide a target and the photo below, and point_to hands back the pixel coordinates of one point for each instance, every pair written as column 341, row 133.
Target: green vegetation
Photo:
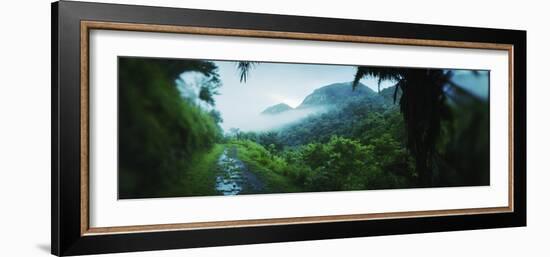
column 200, row 177
column 376, row 159
column 272, row 169
column 159, row 132
column 410, row 135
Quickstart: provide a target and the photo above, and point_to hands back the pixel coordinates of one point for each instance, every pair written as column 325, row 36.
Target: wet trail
column 234, row 177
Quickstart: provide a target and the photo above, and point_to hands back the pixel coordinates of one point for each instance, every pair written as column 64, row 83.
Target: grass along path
column 237, row 167
column 267, row 168
column 201, row 179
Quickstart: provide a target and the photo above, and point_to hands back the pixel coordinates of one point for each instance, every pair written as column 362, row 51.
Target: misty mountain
column 352, row 112
column 332, row 102
column 335, row 94
column 348, row 120
column 276, row 109
column 329, row 96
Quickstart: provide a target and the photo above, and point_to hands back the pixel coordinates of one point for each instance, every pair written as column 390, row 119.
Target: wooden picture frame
column 71, row 26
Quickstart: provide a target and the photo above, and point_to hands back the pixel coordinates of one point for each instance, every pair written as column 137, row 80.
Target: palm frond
column 397, row 86
column 382, row 73
column 244, row 68
column 359, row 74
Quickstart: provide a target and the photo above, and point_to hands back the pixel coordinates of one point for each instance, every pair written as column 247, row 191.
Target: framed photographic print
column 177, row 128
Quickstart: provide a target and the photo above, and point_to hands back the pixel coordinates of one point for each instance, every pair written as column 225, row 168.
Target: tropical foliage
column 414, row 134
column 159, row 132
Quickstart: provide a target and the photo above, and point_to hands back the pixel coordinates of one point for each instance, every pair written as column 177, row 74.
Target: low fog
column 241, row 104
column 269, row 84
column 266, row 122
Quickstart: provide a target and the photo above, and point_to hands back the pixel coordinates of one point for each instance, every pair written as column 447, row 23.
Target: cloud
column 262, row 122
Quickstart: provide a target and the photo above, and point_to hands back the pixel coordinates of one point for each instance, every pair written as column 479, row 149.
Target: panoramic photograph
column 193, row 127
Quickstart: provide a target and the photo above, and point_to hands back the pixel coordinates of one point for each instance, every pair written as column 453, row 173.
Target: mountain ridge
column 328, row 95
column 276, row 109
column 335, row 93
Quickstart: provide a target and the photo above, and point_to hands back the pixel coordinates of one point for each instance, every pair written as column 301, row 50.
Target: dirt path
column 234, row 177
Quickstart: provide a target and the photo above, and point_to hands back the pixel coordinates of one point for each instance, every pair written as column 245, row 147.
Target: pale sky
column 272, row 83
column 240, row 104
